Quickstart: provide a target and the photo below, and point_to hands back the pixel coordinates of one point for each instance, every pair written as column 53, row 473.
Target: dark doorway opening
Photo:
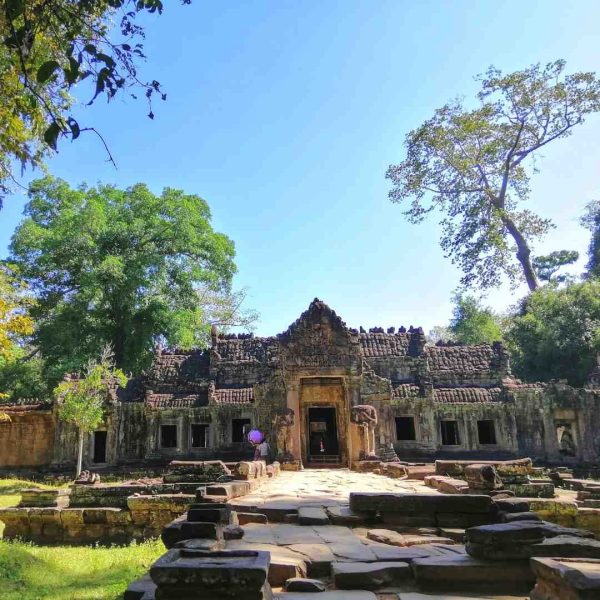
column 323, row 443
column 405, row 429
column 100, row 446
column 199, row 435
column 450, row 435
column 240, row 428
column 168, row 436
column 486, row 432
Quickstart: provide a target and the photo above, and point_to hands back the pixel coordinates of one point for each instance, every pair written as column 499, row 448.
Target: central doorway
column 323, row 443
column 100, row 447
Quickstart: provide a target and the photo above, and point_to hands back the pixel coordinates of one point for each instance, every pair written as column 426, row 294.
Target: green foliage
column 474, row 166
column 81, row 401
column 23, row 377
column 547, row 266
column 591, row 220
column 473, row 323
column 556, row 333
column 16, row 324
column 30, row 572
column 47, row 48
column 117, row 267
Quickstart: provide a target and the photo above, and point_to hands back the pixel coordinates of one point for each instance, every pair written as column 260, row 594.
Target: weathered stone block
column 566, row 579
column 183, row 572
column 209, row 512
column 419, row 504
column 308, row 515
column 466, row 572
column 244, row 518
column 369, row 576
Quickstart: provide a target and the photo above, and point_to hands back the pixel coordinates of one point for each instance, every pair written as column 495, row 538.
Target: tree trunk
column 79, row 454
column 523, row 253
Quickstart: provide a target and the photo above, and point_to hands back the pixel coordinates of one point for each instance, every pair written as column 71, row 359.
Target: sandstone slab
column 369, row 576
column 312, row 516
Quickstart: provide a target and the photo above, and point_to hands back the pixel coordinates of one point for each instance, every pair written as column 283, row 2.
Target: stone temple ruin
column 459, row 481
column 324, row 394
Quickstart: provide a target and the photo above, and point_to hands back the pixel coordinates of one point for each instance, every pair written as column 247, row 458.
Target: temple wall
column 27, row 440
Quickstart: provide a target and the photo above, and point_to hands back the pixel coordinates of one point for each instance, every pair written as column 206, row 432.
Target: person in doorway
column 264, row 451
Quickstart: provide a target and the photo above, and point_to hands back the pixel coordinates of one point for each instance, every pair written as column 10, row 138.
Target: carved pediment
column 319, row 338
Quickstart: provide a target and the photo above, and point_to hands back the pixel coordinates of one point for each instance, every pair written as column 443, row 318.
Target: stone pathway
column 303, row 542
column 320, row 487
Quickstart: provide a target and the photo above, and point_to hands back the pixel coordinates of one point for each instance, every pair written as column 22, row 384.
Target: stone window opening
column 239, row 430
column 168, row 436
column 100, row 446
column 405, row 429
column 450, row 433
column 486, row 432
column 199, row 435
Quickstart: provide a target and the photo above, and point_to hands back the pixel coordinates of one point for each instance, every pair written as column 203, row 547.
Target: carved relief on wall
column 365, row 416
column 566, row 438
column 283, row 423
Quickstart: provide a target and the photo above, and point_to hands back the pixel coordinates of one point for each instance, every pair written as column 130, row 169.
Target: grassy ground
column 29, row 572
column 10, row 490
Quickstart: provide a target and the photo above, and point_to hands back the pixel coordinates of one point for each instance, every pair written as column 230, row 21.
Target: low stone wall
column 108, row 514
column 144, row 517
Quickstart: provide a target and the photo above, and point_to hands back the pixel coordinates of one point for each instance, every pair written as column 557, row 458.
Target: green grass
column 10, row 490
column 29, row 572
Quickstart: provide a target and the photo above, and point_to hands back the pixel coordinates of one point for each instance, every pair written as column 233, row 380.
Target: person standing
column 264, row 451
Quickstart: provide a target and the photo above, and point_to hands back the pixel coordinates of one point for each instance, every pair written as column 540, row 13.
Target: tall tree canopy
column 473, row 323
column 474, row 167
column 556, row 333
column 117, row 267
column 48, row 47
column 16, row 323
column 591, row 220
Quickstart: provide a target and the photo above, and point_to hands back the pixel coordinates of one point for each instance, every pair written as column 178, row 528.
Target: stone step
column 302, row 584
column 562, row 578
column 369, row 576
column 309, row 515
column 462, row 572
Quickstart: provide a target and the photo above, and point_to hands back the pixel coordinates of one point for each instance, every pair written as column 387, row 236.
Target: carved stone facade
column 323, row 393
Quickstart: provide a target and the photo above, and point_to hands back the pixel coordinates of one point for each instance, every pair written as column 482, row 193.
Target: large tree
column 474, row 323
column 16, row 324
column 47, row 48
column 117, row 267
column 473, row 165
column 591, row 220
column 556, row 333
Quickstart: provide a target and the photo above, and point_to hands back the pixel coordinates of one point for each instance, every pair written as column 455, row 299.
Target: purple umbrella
column 255, row 436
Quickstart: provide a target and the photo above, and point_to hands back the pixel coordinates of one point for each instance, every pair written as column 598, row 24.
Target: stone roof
column 177, row 400
column 467, row 395
column 461, row 359
column 405, row 390
column 248, row 349
column 233, row 395
column 24, row 404
column 180, row 366
column 375, row 345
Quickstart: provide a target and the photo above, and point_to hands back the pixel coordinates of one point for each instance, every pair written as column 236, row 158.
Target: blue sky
column 284, row 116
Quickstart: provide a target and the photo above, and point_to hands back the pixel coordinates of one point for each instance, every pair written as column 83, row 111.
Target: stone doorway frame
column 340, row 404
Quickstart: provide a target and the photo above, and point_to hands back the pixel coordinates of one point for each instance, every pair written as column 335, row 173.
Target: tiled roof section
column 177, row 400
column 24, row 404
column 375, row 345
column 234, row 395
column 250, row 349
column 405, row 390
column 467, row 395
column 461, row 359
